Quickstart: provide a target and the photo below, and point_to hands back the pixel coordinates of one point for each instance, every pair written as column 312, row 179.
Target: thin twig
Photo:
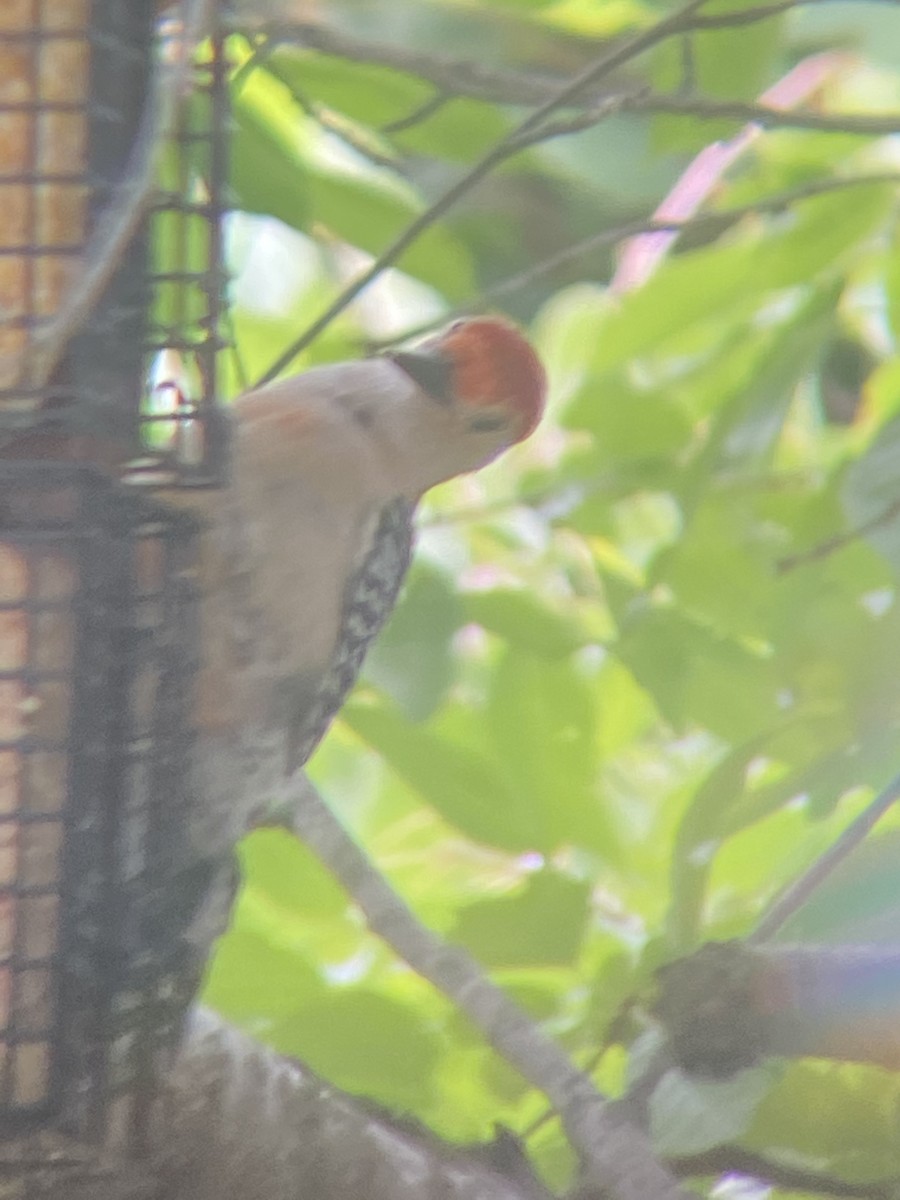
column 616, row 1153
column 785, row 905
column 503, row 149
column 831, row 545
column 645, row 101
column 419, row 114
column 769, row 117
column 462, row 77
column 546, row 131
column 590, row 1066
column 737, row 1160
column 641, row 255
column 450, row 75
column 336, row 124
column 688, row 73
column 536, row 128
column 702, row 224
column 797, row 893
column 748, row 16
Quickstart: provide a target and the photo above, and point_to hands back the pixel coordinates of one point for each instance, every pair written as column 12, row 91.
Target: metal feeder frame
column 98, row 605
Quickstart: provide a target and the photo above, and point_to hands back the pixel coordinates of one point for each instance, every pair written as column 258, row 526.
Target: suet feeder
column 97, row 604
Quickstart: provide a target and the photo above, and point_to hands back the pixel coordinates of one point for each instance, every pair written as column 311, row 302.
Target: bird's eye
column 487, row 423
column 362, row 416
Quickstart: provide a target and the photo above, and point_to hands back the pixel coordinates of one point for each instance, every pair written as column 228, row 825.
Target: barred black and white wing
column 369, row 600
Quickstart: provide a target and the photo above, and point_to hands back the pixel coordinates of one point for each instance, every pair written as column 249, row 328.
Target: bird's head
column 485, row 383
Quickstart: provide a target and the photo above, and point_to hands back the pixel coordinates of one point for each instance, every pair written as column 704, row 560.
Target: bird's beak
column 432, row 372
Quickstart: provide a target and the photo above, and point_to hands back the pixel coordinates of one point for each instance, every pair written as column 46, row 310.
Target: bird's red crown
column 494, row 366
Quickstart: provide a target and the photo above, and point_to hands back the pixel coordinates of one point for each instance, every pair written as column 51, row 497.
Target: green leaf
column 368, row 93
column 365, row 1042
column 377, row 96
column 279, row 167
column 836, row 1119
column 412, row 659
column 698, row 839
column 290, row 875
column 725, row 282
column 269, row 171
column 697, row 675
column 624, row 709
column 542, row 924
column 746, row 430
column 370, row 211
column 466, row 787
column 825, row 779
column 725, row 63
column 600, row 21
column 688, row 1115
column 871, row 493
column 630, row 422
column 566, row 330
column 542, row 719
column 714, row 569
column 892, row 282
column 526, row 621
column 859, row 904
column 250, row 977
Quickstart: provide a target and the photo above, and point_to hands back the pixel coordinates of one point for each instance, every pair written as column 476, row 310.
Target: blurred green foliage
column 643, row 671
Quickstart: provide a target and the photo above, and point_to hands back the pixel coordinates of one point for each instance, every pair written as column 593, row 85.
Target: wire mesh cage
column 96, row 641
column 97, row 99
column 110, row 327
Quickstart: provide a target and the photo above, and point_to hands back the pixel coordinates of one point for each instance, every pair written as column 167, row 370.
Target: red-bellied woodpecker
column 309, row 545
column 315, row 531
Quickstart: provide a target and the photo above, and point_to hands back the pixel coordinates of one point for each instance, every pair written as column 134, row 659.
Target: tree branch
column 831, row 545
column 645, row 101
column 639, row 258
column 450, row 75
column 762, row 12
column 461, row 77
column 536, row 128
column 337, row 125
column 240, row 1120
column 799, row 891
column 616, row 1153
column 736, row 1160
column 434, row 104
column 702, row 224
column 759, row 114
column 503, row 149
